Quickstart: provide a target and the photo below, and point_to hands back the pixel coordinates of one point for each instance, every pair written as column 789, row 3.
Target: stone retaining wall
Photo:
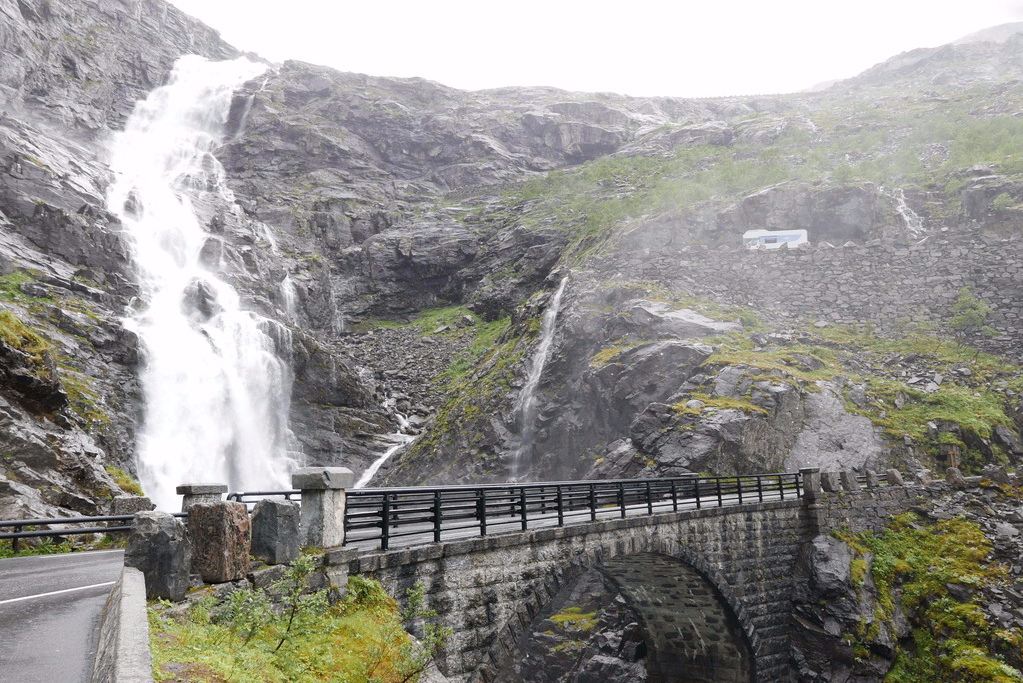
column 880, row 283
column 122, row 653
column 868, row 509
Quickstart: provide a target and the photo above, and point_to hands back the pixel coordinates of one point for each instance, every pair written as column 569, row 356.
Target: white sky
column 634, row 47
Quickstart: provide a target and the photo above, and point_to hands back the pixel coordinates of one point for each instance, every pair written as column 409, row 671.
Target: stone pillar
column 159, row 547
column 873, row 481
column 323, row 504
column 849, row 481
column 275, row 531
column 220, row 535
column 830, row 482
column 922, row 477
column 811, row 483
column 894, row 477
column 200, row 493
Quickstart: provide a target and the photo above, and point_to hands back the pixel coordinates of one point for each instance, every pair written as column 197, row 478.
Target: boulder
column 996, row 474
column 275, row 531
column 660, row 319
column 160, row 548
column 220, row 535
column 129, row 505
column 955, row 478
column 894, row 477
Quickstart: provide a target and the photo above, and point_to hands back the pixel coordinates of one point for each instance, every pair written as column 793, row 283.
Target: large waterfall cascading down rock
column 217, row 391
column 527, row 402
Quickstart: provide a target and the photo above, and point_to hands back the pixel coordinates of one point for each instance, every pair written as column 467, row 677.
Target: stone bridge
column 712, row 587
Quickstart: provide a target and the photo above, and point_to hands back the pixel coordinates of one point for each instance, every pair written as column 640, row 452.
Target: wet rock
column 955, row 478
column 275, row 531
column 161, row 549
column 221, row 537
column 996, row 474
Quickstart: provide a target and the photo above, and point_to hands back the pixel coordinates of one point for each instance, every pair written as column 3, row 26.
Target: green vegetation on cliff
column 913, row 566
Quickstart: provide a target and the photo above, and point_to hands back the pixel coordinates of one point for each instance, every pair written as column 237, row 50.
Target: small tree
column 969, row 317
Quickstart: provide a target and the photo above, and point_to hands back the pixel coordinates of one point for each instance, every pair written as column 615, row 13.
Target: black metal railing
column 19, row 525
column 391, row 514
column 252, row 497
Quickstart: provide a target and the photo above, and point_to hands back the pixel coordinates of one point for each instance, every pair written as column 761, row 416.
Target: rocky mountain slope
column 411, row 237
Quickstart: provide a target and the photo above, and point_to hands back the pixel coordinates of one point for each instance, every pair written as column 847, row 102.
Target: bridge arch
column 692, row 627
column 488, row 590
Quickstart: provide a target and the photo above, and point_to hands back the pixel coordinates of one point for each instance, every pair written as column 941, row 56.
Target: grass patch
column 46, row 546
column 574, row 619
column 726, row 403
column 20, row 336
column 485, row 338
column 288, row 635
column 124, row 480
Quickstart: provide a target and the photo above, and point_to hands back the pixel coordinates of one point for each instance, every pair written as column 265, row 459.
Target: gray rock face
column 275, row 531
column 129, row 48
column 660, row 320
column 159, row 547
column 586, row 633
column 827, row 605
column 831, row 437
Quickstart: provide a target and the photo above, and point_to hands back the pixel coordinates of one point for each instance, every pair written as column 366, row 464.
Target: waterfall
column 526, row 407
column 289, row 296
column 914, row 223
column 401, row 440
column 216, row 389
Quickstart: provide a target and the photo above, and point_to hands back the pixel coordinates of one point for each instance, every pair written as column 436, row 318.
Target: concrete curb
column 122, row 654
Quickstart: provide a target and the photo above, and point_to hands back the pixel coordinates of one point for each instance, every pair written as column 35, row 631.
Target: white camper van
column 773, row 239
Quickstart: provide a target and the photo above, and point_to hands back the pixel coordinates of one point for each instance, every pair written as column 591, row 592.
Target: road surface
column 49, row 614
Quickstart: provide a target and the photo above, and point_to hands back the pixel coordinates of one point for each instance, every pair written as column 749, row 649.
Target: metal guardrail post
column 593, row 503
column 481, row 510
column 674, row 495
column 436, row 516
column 385, row 522
column 696, row 489
column 561, row 507
column 522, row 508
column 649, row 500
column 717, row 481
column 738, row 488
column 621, row 498
column 760, row 489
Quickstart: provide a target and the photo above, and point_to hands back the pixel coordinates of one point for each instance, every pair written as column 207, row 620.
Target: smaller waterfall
column 526, row 407
column 401, row 440
column 289, row 296
column 914, row 223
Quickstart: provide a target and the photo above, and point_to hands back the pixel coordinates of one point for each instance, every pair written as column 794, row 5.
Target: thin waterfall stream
column 216, row 385
column 400, row 439
column 527, row 404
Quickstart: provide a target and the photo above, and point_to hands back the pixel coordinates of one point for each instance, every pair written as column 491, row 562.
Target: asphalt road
column 49, row 614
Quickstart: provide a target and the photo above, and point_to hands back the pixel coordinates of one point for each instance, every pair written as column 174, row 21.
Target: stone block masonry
column 488, row 589
column 880, row 283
